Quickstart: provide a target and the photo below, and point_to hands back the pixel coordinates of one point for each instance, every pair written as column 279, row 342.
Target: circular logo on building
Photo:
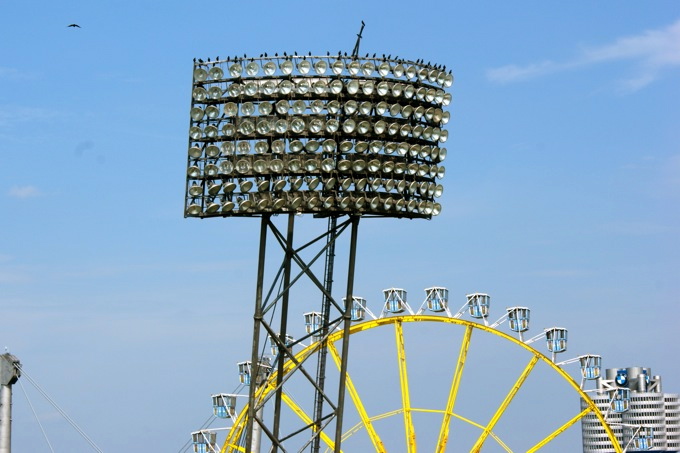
column 621, row 378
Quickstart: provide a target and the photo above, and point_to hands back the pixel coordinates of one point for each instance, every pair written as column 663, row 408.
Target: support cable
column 36, row 416
column 61, row 411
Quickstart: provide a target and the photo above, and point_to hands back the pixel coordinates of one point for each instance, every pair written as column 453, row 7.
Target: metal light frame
column 325, row 135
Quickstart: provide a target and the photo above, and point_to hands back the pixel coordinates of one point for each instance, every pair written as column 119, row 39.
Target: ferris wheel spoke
column 405, row 395
column 358, row 404
column 504, row 405
column 560, row 430
column 453, row 392
column 306, row 418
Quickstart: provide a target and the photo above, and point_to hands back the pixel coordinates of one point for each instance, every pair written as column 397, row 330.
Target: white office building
column 641, row 415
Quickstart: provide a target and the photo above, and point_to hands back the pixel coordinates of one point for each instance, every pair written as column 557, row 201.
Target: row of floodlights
column 314, row 164
column 294, row 184
column 313, row 201
column 317, row 107
column 401, row 149
column 323, row 88
column 321, row 66
column 297, row 125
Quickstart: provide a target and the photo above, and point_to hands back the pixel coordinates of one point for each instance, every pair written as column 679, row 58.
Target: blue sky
column 561, row 192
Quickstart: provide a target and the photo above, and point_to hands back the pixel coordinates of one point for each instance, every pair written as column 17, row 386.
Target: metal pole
column 255, row 356
column 283, row 327
column 6, row 419
column 257, row 432
column 9, row 374
column 347, row 316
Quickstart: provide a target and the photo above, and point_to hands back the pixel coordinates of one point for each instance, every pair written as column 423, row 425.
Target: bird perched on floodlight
column 73, row 26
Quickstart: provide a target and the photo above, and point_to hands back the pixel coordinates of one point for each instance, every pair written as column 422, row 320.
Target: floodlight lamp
column 244, row 204
column 269, row 68
column 286, row 67
column 228, row 187
column 245, row 185
column 215, row 92
column 194, row 209
column 320, row 67
column 353, row 87
column 200, row 94
column 200, row 75
column 212, row 208
column 335, row 87
column 286, row 87
column 316, row 126
column 195, row 152
column 389, row 184
column 227, row 206
column 194, row 172
column 276, row 166
column 294, row 202
column 345, row 183
column 312, row 146
column 329, row 145
column 304, row 67
column 213, row 189
column 197, row 114
column 263, row 185
column 278, row 185
column 296, row 183
column 303, row 87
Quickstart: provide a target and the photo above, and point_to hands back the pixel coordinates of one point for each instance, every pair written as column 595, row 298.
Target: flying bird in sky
column 74, row 26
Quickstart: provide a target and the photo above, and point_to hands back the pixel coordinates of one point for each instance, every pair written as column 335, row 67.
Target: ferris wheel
column 428, row 379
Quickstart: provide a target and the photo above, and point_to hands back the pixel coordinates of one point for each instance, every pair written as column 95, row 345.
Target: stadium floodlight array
column 326, row 135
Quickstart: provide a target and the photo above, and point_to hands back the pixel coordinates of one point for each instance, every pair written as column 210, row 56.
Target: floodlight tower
column 333, row 136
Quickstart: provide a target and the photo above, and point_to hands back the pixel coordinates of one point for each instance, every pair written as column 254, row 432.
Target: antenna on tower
column 355, row 52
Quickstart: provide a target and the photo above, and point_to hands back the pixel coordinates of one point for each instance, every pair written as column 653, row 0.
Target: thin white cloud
column 23, row 192
column 652, row 52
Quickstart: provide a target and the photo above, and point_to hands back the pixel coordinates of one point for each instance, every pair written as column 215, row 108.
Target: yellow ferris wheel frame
column 231, row 443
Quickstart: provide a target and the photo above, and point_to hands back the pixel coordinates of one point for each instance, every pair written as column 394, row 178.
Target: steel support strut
column 347, row 321
column 255, row 355
column 325, row 319
column 283, row 326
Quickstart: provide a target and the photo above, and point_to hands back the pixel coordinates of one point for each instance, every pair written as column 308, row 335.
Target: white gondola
column 245, row 371
column 313, row 322
column 518, row 319
column 204, row 441
column 358, row 310
column 437, row 299
column 478, row 305
column 395, row 302
column 275, row 347
column 591, row 366
column 620, row 400
column 557, row 339
column 224, row 405
column 643, row 438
